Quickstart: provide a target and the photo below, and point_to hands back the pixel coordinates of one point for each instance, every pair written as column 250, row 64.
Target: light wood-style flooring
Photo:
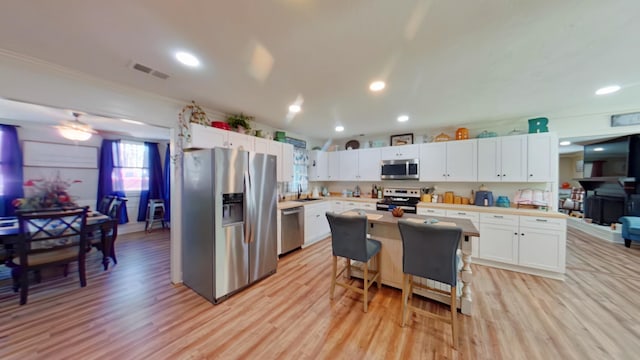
column 132, row 311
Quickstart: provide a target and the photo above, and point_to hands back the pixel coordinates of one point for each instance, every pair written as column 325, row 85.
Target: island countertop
column 385, row 217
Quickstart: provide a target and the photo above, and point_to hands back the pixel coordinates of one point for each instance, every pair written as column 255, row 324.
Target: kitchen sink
column 307, row 199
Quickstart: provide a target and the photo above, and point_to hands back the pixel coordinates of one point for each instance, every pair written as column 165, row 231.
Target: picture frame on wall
column 402, row 139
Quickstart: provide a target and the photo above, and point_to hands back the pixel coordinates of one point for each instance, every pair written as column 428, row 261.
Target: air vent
column 147, row 70
column 160, row 75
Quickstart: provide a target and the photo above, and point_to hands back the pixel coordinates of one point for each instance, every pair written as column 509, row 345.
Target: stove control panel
column 411, row 193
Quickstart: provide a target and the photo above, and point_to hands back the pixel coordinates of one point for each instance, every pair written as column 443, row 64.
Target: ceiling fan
column 75, row 130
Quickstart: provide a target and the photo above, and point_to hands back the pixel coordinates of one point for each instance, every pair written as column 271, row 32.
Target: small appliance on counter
column 315, row 193
column 503, row 201
column 483, row 197
column 325, row 191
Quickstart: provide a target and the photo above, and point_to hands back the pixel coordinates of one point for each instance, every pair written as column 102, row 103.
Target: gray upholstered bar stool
column 349, row 240
column 429, row 251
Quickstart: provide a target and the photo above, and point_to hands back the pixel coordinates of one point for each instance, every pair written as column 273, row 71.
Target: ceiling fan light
column 75, row 130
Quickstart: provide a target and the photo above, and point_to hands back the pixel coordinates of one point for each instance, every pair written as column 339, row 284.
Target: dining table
column 96, row 223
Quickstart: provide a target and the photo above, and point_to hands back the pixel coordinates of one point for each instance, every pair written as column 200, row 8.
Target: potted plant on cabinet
column 240, row 122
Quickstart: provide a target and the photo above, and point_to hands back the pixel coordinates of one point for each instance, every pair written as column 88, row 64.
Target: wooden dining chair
column 349, row 240
column 429, row 251
column 48, row 238
column 106, row 232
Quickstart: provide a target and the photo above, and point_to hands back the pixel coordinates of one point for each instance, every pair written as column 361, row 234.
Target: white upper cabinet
column 542, row 157
column 287, row 162
column 333, row 164
column 449, row 161
column 359, row 165
column 502, row 159
column 239, row 141
column 348, row 165
column 518, row 158
column 402, row 152
column 318, row 166
column 261, row 145
column 369, row 164
column 206, row 137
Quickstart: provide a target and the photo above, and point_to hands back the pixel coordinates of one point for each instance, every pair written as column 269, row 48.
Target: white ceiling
column 446, row 63
column 16, row 111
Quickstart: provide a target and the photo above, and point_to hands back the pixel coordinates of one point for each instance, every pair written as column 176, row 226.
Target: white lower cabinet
column 527, row 241
column 337, row 206
column 475, row 219
column 543, row 243
column 499, row 238
column 316, row 226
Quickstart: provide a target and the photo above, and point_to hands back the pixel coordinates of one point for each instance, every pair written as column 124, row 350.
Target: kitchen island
column 383, row 226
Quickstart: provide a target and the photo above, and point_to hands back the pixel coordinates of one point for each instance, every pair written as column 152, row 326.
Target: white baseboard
column 600, row 231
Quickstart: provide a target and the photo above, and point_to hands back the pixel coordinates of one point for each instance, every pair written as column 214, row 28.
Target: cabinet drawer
column 501, row 219
column 543, row 222
column 460, row 214
column 434, row 212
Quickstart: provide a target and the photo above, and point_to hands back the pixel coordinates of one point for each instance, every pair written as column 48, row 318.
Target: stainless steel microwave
column 400, row 169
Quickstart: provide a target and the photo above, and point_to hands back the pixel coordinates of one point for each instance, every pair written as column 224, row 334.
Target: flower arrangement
column 46, row 193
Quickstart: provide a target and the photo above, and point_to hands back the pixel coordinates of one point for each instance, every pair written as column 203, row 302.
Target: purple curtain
column 109, row 153
column 156, row 181
column 11, row 178
column 167, row 184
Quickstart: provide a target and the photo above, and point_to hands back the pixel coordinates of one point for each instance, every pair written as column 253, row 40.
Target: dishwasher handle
column 292, row 211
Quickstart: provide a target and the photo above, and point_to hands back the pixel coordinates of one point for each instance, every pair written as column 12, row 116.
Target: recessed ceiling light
column 187, row 59
column 377, row 86
column 294, row 108
column 403, row 118
column 339, row 128
column 598, row 149
column 607, row 90
column 133, row 121
column 565, row 143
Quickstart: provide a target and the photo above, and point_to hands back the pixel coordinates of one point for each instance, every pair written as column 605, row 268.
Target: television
column 607, row 159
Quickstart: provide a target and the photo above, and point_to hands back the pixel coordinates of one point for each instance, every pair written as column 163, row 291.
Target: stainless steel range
column 407, row 199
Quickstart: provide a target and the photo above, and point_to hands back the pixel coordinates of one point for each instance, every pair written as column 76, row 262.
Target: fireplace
column 604, row 210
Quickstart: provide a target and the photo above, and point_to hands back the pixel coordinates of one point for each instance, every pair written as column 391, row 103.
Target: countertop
column 287, row 204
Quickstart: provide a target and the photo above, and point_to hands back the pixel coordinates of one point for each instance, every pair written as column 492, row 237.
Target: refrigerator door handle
column 248, row 235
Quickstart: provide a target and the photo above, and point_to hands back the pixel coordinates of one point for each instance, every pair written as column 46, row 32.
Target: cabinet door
column 317, row 165
column 540, row 157
column 369, row 164
column 348, row 165
column 333, row 164
column 433, row 161
column 205, row 137
column 287, row 162
column 543, row 243
column 542, row 249
column 462, row 162
column 240, row 141
column 275, row 148
column 400, row 152
column 513, row 155
column 499, row 240
column 489, row 168
column 261, row 146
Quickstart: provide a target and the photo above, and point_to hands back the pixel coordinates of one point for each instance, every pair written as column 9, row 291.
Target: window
column 131, row 167
column 300, row 177
column 1, row 166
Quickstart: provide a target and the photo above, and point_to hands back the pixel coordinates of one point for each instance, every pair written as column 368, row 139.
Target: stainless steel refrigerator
column 229, row 209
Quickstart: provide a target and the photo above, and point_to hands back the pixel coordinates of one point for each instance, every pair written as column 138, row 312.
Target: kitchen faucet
column 299, row 190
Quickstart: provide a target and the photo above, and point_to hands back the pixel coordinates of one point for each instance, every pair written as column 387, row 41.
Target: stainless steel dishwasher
column 292, row 228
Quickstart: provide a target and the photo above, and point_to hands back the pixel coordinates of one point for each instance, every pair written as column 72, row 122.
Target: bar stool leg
column 454, row 317
column 334, row 273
